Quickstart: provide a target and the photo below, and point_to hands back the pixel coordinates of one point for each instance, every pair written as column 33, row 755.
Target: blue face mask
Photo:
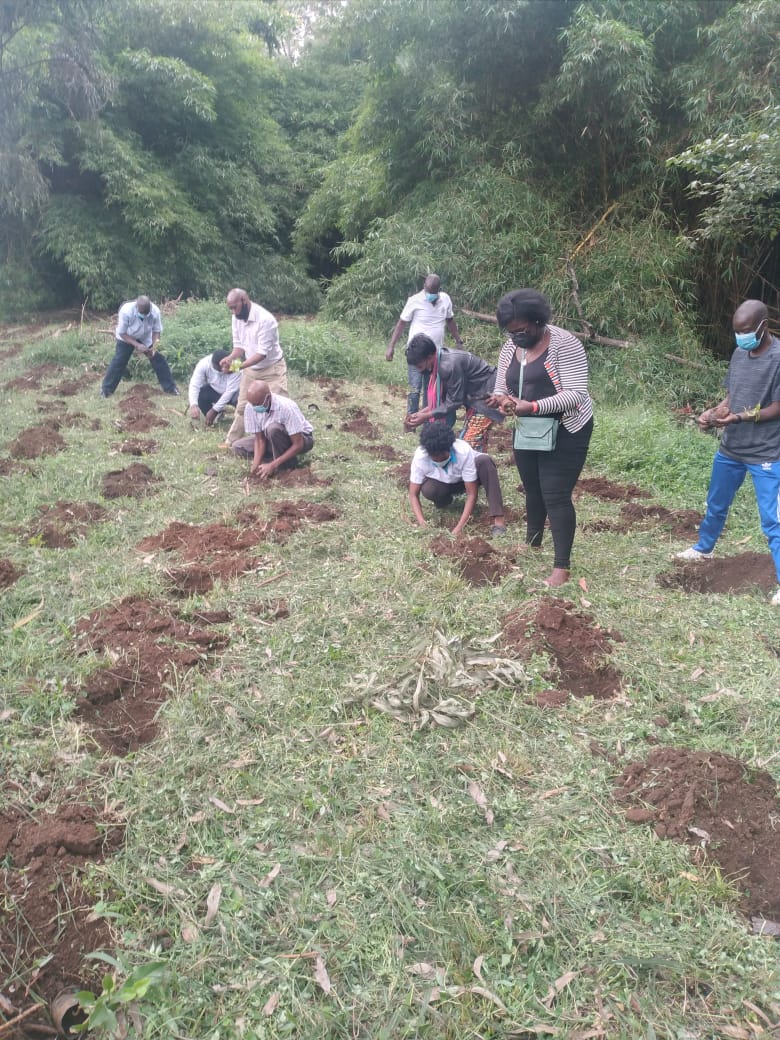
column 142, row 317
column 261, row 409
column 443, row 465
column 748, row 340
column 431, row 297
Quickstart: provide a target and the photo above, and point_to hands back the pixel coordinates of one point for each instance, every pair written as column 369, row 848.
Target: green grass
column 387, row 870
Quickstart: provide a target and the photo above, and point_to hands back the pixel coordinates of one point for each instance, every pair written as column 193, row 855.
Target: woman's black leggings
column 549, row 478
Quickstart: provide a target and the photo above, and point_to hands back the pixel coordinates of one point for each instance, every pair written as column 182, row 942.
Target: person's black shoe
column 174, row 393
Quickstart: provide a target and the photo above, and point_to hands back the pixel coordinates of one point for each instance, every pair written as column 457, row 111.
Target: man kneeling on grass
column 278, row 431
column 443, row 467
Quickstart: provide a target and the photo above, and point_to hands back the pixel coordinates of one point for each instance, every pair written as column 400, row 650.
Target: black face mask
column 525, row 340
column 243, row 314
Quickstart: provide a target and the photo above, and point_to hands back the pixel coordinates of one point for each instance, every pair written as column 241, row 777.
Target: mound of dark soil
column 134, row 482
column 61, row 525
column 359, row 424
column 270, row 610
column 385, row 452
column 680, row 523
column 138, row 411
column 742, row 573
column 608, row 490
column 718, row 804
column 195, row 542
column 149, row 647
column 137, row 447
column 36, row 442
column 295, row 476
column 8, row 574
column 476, row 560
column 577, row 646
column 47, row 912
column 33, row 377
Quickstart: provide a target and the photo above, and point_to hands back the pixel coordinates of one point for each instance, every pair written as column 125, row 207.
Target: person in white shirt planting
column 444, row 466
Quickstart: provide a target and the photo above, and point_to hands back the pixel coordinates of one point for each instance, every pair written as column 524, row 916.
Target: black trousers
column 208, row 397
column 549, row 478
column 122, row 355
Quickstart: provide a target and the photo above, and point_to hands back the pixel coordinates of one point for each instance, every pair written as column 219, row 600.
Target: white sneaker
column 775, row 600
column 693, row 554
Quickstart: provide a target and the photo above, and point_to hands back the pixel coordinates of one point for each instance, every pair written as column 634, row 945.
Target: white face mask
column 443, row 465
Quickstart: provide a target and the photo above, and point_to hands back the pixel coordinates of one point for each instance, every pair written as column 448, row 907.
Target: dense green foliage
column 184, row 166
column 621, row 155
column 582, row 105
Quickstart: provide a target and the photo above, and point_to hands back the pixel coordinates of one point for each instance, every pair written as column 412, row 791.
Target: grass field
column 296, row 863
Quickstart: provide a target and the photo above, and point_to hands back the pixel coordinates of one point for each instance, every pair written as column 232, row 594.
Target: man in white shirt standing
column 278, row 431
column 429, row 311
column 443, row 467
column 211, row 389
column 138, row 330
column 256, row 353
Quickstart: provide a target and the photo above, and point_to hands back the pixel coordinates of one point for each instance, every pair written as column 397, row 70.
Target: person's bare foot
column 558, row 577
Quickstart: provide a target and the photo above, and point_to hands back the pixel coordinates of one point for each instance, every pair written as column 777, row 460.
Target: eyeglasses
column 517, row 334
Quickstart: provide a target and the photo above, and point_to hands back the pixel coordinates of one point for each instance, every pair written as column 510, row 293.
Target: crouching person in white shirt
column 279, row 432
column 444, row 466
column 211, row 389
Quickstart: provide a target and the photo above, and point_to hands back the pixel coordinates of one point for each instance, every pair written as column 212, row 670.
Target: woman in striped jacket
column 554, row 372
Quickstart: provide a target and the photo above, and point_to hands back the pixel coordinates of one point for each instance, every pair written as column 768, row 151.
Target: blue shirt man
column 138, row 330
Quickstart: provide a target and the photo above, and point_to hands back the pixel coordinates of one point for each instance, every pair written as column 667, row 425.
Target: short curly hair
column 437, row 437
column 419, row 348
column 523, row 303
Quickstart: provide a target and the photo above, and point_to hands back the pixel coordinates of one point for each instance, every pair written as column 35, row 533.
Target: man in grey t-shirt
column 750, row 417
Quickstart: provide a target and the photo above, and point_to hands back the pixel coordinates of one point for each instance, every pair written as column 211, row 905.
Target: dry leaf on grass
column 269, row 877
column 476, row 792
column 189, row 933
column 162, row 888
column 221, row 805
column 271, row 1004
column 558, row 986
column 321, row 976
column 423, row 969
column 212, row 904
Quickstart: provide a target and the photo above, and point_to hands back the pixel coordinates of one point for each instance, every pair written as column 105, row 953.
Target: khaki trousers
column 276, row 377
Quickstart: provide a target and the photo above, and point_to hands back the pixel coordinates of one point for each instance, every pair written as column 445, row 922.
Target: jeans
column 727, row 478
column 122, row 355
column 549, row 478
column 418, row 381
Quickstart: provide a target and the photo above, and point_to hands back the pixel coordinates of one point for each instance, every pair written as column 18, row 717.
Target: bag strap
column 520, row 382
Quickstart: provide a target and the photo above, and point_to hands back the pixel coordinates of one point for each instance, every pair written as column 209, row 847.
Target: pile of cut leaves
column 440, row 688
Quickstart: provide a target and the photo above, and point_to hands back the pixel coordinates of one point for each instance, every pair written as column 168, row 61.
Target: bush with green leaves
column 199, row 327
column 489, row 232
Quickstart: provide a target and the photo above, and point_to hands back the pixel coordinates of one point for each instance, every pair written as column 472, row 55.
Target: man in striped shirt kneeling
column 278, row 432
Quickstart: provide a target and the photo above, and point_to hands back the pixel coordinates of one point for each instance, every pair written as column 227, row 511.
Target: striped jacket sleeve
column 567, row 366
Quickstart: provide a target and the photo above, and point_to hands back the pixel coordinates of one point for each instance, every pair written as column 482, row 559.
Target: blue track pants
column 727, row 478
